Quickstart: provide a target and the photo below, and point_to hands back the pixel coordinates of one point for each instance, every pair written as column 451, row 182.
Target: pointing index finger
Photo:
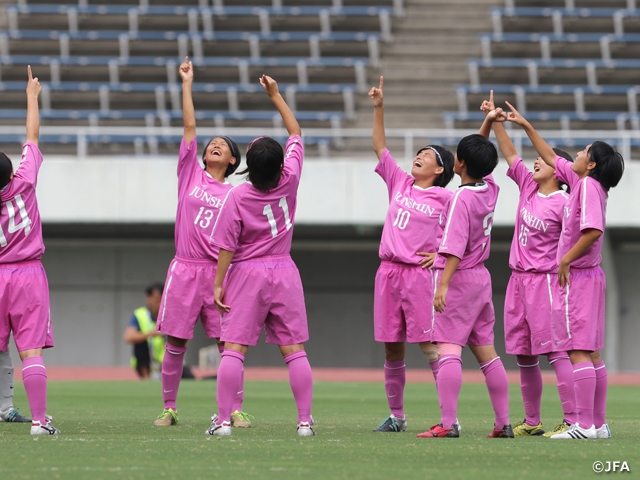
column 381, row 83
column 491, row 97
column 29, row 72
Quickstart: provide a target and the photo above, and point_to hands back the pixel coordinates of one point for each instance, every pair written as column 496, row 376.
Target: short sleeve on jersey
column 133, row 322
column 30, row 164
column 228, row 227
column 188, row 155
column 591, row 205
column 519, row 173
column 456, row 229
column 564, row 172
column 294, row 155
column 389, row 170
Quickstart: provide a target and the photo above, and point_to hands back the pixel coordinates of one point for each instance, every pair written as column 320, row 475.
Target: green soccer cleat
column 392, row 424
column 523, row 429
column 560, row 428
column 167, row 418
column 241, row 419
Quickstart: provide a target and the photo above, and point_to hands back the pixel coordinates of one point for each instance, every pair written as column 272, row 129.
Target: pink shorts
column 265, row 292
column 402, row 307
column 528, row 326
column 469, row 317
column 579, row 310
column 24, row 306
column 188, row 294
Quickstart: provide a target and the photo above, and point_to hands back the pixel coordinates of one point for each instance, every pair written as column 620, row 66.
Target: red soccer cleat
column 437, row 431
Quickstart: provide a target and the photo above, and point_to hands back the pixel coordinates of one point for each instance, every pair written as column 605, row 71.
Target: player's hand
column 439, row 300
column 218, row 295
column 269, row 84
column 497, row 115
column 563, row 273
column 186, row 70
column 376, row 94
column 514, row 116
column 33, row 85
column 427, row 261
column 488, row 105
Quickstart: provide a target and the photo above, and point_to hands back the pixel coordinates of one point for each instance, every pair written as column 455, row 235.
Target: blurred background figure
column 148, row 343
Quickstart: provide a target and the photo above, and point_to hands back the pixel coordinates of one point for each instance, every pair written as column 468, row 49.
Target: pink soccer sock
column 495, row 377
column 34, row 376
column 584, row 377
column 239, row 398
column 171, row 374
column 531, row 387
column 434, row 369
column 600, row 403
column 394, row 381
column 301, row 381
column 229, row 375
column 449, row 384
column 566, row 390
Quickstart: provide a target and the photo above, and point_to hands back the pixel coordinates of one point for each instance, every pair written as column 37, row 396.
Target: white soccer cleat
column 222, row 429
column 47, row 429
column 603, row 431
column 305, row 430
column 577, row 433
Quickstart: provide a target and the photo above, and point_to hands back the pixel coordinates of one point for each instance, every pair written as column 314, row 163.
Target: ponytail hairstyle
column 6, row 169
column 444, row 158
column 609, row 164
column 566, row 156
column 235, row 152
column 265, row 159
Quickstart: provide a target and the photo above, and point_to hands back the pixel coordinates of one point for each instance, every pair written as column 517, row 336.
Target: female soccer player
column 24, row 291
column 263, row 286
column 402, row 309
column 460, row 275
column 579, row 304
column 188, row 294
column 527, row 310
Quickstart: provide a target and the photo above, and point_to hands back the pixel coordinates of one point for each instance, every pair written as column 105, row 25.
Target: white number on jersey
column 206, row 218
column 25, row 222
column 487, row 223
column 522, row 236
column 402, row 219
column 268, row 211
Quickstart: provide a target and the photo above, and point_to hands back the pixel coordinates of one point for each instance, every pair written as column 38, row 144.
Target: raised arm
column 271, row 87
column 544, row 150
column 188, row 112
column 378, row 136
column 507, row 148
column 33, row 115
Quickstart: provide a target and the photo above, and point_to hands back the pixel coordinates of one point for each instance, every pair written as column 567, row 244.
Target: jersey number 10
column 12, row 227
column 271, row 219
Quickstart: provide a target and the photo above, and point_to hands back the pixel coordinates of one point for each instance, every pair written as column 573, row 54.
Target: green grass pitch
column 107, row 432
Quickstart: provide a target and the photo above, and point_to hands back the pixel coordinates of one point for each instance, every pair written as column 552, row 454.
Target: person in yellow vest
column 148, row 343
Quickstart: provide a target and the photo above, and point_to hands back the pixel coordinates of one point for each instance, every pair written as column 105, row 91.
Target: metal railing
column 412, row 138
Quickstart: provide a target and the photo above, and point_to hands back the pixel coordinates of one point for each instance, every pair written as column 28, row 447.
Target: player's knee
column 430, row 351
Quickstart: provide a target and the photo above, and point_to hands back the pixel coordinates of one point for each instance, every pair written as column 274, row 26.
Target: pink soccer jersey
column 412, row 220
column 200, row 198
column 585, row 209
column 538, row 224
column 253, row 223
column 20, row 225
column 466, row 223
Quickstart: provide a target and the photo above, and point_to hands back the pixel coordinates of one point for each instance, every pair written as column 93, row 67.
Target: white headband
column 439, row 158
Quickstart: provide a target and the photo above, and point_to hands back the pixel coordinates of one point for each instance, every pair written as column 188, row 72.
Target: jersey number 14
column 12, row 227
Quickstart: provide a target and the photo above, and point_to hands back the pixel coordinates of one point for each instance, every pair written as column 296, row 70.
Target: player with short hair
column 528, row 328
column 579, row 303
column 24, row 290
column 463, row 306
column 188, row 293
column 402, row 304
column 263, row 287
